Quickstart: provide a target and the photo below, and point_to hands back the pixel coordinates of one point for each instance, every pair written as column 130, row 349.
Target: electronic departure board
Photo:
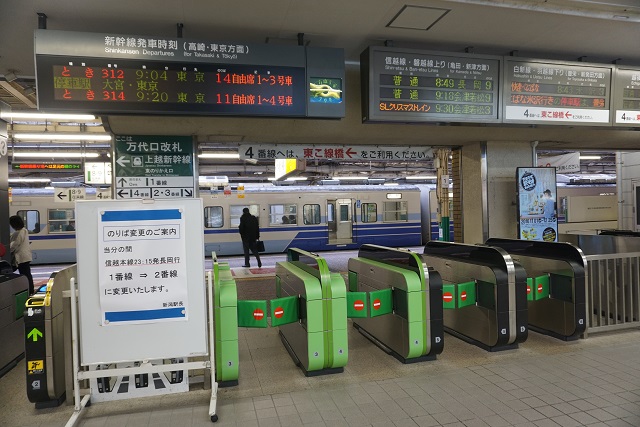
column 415, row 86
column 553, row 92
column 115, row 73
column 626, row 97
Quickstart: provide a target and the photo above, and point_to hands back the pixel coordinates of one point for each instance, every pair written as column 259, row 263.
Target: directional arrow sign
column 62, row 195
column 121, row 193
column 34, row 334
column 350, row 152
column 122, row 161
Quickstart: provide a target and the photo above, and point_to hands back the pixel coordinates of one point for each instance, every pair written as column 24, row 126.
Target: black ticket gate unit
column 14, row 291
column 410, row 328
column 557, row 285
column 498, row 319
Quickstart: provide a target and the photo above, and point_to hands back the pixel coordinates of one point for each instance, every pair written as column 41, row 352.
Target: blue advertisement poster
column 537, row 209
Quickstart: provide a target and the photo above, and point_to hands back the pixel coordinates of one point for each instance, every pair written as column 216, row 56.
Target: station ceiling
column 603, row 31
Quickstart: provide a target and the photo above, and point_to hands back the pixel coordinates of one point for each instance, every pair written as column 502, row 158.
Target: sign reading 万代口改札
column 142, row 266
column 554, row 92
column 154, row 167
column 537, row 217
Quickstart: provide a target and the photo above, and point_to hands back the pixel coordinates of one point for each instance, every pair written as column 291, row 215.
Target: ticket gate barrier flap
column 284, row 310
column 380, row 302
column 459, row 295
column 357, row 304
column 252, row 313
column 537, row 287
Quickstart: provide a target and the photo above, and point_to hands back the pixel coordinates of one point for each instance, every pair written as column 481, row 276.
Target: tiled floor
column 545, row 382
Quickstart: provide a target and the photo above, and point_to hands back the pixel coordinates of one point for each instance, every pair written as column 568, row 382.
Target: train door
column 340, row 221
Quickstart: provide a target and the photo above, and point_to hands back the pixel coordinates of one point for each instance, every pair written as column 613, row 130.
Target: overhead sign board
column 61, row 195
column 334, row 152
column 553, row 92
column 117, row 72
column 154, row 167
column 49, row 167
column 97, row 173
column 626, row 97
column 416, row 86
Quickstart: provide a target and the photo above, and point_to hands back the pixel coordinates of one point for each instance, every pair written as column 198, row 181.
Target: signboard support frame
column 80, row 403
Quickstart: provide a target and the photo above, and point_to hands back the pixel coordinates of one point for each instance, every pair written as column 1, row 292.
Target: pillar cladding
column 489, row 202
column 628, row 168
column 4, row 178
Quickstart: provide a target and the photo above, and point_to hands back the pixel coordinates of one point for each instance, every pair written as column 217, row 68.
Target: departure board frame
column 114, row 73
column 626, row 96
column 407, row 85
column 549, row 92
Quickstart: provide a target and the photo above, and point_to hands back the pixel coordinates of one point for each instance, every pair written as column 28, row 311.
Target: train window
column 283, row 214
column 235, row 212
column 344, row 213
column 311, row 214
column 213, row 217
column 369, row 212
column 395, row 211
column 61, row 220
column 31, row 220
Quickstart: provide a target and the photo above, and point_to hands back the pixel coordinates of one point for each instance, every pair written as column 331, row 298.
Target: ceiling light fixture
column 590, row 157
column 219, row 156
column 55, row 136
column 29, row 180
column 37, row 154
column 347, row 178
column 46, row 116
column 422, row 177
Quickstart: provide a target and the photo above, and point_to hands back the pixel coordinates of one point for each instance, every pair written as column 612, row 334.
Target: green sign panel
column 151, row 166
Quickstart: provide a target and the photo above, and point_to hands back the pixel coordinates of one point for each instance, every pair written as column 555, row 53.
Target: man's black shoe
column 259, row 265
column 246, row 266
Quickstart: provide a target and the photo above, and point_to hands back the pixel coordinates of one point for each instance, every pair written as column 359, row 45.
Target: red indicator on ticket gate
column 528, row 289
column 279, row 312
column 258, row 314
column 359, row 305
column 463, row 296
column 539, row 288
column 447, row 297
column 376, row 304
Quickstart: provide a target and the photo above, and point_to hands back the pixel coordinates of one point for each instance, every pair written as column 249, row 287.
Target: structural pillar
column 4, row 178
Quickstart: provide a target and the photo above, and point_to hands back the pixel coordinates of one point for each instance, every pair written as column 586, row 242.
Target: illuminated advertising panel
column 537, row 207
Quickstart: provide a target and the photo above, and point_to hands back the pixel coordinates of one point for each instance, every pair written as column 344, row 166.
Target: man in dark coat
column 250, row 233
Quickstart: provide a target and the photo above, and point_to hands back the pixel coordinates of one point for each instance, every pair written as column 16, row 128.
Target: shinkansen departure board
column 419, row 86
column 626, row 99
column 116, row 73
column 552, row 92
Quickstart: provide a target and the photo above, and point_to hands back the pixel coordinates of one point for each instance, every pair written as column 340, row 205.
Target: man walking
column 250, row 234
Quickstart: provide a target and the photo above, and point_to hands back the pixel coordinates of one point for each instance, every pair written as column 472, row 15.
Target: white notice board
column 141, row 287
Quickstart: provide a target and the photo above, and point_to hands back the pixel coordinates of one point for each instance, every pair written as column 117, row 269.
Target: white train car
column 310, row 218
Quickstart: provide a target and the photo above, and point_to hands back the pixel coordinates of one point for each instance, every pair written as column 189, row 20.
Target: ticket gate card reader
column 44, row 346
column 556, row 287
column 498, row 318
column 409, row 296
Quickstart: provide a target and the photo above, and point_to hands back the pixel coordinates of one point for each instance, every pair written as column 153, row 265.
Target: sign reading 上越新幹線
column 142, row 260
column 553, row 92
column 154, row 167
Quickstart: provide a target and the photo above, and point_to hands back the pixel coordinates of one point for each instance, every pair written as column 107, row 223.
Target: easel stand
column 145, row 367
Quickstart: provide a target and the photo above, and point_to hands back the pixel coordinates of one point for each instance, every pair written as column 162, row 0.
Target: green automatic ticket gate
column 310, row 311
column 318, row 341
column 556, row 285
column 395, row 300
column 487, row 291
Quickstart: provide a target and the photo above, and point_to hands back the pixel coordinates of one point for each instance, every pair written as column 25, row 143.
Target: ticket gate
column 318, row 341
column 14, row 291
column 556, row 288
column 497, row 320
column 44, row 348
column 405, row 300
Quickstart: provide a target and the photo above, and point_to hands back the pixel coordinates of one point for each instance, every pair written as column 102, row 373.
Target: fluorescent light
column 54, row 154
column 29, row 180
column 297, row 178
column 219, row 156
column 391, row 183
column 422, row 177
column 590, row 157
column 347, row 178
column 49, row 136
column 45, row 116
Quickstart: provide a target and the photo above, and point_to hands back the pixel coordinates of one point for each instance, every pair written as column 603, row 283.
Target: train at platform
column 313, row 218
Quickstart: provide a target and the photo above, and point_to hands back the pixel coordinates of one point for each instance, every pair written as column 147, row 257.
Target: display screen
column 145, row 86
column 556, row 93
column 537, row 206
column 422, row 86
column 626, row 99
